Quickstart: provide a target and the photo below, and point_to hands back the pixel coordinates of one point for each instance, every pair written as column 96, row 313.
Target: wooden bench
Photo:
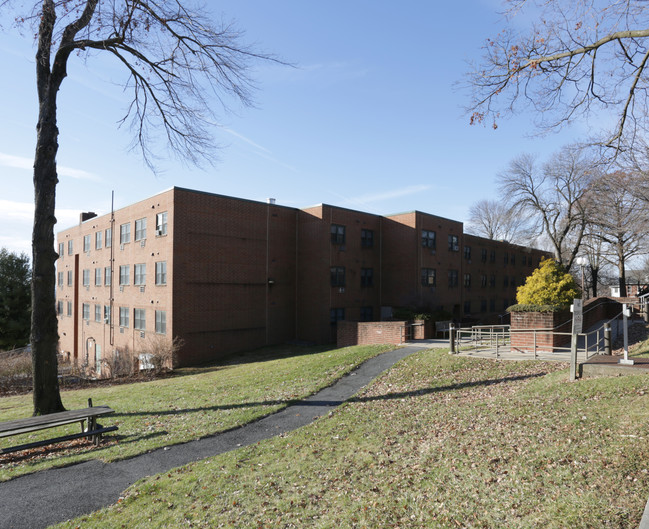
column 442, row 326
column 93, row 431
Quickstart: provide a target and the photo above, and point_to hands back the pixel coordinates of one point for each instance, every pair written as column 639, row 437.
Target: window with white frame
column 428, row 239
column 59, row 308
column 140, row 229
column 70, row 278
column 86, row 277
column 139, row 273
column 60, row 279
column 70, row 247
column 98, row 240
column 85, row 309
column 124, row 275
column 98, row 313
column 123, row 316
column 61, row 250
column 97, row 277
column 161, row 321
column 161, row 273
column 108, row 273
column 139, row 319
column 161, row 223
column 69, row 308
column 86, row 243
column 109, row 237
column 106, row 313
column 125, row 233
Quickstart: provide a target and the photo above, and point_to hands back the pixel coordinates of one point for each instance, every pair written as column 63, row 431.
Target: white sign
column 577, row 316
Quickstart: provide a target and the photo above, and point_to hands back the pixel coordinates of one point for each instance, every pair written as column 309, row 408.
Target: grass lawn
column 438, row 442
column 193, row 403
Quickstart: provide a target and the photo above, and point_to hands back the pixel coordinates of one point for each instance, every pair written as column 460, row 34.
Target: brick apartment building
column 227, row 274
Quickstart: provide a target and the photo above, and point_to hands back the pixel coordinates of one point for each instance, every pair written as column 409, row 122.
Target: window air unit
column 142, row 289
column 341, row 290
column 121, row 330
column 142, row 334
column 121, row 247
column 121, row 288
column 158, row 231
column 143, row 243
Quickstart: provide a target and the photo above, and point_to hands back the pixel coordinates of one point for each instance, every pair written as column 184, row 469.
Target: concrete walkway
column 51, row 496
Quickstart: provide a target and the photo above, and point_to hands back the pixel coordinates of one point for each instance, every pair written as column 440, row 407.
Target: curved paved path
column 51, row 496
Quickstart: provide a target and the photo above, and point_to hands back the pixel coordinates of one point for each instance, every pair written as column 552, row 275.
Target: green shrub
column 549, row 285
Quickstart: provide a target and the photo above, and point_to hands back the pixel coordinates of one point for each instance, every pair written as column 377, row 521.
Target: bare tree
column 620, row 221
column 175, row 58
column 552, row 196
column 578, row 58
column 498, row 220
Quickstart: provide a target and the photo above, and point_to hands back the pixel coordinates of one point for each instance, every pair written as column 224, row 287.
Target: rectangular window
column 69, row 308
column 125, row 233
column 483, row 280
column 139, row 319
column 467, row 253
column 428, row 239
column 337, row 234
column 367, row 238
column 453, row 243
column 106, row 313
column 107, row 276
column 336, row 315
column 337, row 276
column 98, row 240
column 59, row 308
column 140, row 274
column 161, row 321
column 86, row 277
column 61, row 250
column 367, row 314
column 85, row 308
column 124, row 275
column 97, row 277
column 452, row 278
column 428, row 277
column 70, row 278
column 492, row 256
column 483, row 255
column 123, row 317
column 109, row 237
column 86, row 243
column 506, row 258
column 98, row 313
column 467, row 280
column 512, row 260
column 70, row 247
column 60, row 279
column 524, row 260
column 367, row 277
column 140, row 229
column 161, row 223
column 161, row 273
column 492, row 280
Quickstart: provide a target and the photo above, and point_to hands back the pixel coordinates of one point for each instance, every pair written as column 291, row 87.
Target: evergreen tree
column 15, row 299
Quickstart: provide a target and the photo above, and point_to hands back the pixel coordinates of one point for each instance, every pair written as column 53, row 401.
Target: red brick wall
column 371, row 332
column 523, row 322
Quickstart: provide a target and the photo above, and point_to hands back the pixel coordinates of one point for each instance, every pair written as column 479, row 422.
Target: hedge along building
column 227, row 274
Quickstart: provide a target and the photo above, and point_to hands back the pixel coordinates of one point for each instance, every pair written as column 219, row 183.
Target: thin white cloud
column 21, row 162
column 259, row 149
column 394, row 193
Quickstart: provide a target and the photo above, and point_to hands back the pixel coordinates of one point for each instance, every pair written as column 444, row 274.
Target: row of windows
column 139, row 275
column 338, row 276
column 468, row 305
column 102, row 315
column 338, row 236
column 338, row 314
column 429, row 279
column 507, row 257
column 104, row 238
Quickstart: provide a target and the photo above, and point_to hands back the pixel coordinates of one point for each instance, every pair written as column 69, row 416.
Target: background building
column 227, row 274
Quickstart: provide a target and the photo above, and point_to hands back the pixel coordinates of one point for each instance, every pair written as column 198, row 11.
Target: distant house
column 227, row 274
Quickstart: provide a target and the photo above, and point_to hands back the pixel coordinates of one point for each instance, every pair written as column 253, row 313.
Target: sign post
column 577, row 309
column 626, row 312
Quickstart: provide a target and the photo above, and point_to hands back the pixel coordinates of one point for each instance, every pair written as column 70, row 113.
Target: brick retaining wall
column 370, row 332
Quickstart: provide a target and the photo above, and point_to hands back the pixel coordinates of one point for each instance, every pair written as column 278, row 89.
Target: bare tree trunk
column 594, row 278
column 45, row 336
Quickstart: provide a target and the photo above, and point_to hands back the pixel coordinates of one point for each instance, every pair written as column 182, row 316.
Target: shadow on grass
column 337, row 402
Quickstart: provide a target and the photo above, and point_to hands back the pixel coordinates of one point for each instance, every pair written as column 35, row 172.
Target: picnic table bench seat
column 443, row 327
column 93, row 430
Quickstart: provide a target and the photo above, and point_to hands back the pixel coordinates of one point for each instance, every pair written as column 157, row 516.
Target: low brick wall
column 523, row 339
column 370, row 332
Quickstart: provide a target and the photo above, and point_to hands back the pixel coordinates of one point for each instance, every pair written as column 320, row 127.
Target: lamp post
column 581, row 261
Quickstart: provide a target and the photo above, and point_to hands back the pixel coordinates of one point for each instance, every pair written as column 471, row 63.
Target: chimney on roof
column 86, row 215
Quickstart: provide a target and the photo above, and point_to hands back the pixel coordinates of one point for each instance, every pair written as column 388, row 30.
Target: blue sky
column 370, row 118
